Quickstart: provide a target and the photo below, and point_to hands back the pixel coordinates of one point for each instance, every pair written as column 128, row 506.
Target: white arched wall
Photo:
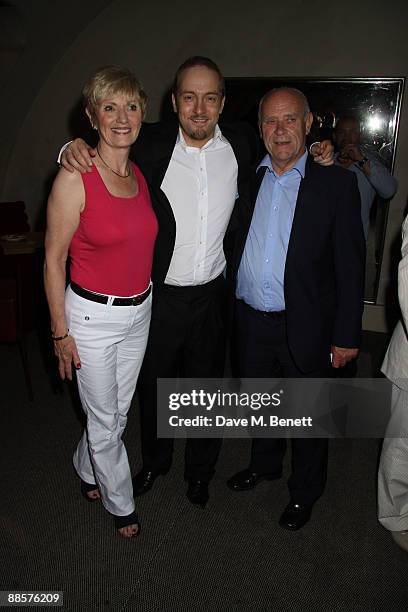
column 260, row 38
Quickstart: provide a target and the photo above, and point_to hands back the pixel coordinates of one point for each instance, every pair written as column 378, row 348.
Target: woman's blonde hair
column 110, row 80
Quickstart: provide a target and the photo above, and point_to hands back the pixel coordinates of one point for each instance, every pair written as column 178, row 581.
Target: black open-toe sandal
column 87, row 488
column 127, row 521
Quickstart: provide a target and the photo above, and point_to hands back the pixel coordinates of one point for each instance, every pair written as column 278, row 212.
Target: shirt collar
column 299, row 166
column 217, row 138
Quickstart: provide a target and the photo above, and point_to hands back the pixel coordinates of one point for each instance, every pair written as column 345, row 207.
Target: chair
column 13, row 325
column 11, row 314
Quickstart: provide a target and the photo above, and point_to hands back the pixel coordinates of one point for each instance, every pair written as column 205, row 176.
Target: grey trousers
column 393, row 469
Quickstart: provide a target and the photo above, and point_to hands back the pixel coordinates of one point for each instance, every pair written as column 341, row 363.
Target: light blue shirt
column 260, row 281
column 379, row 182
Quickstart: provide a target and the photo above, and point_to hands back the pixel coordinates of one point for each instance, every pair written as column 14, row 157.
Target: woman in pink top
column 104, row 221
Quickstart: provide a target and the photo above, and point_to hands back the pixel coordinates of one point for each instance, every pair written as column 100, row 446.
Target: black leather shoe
column 197, row 492
column 247, row 479
column 143, row 482
column 295, row 516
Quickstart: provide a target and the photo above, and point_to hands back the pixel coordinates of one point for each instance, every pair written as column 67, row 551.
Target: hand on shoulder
column 78, row 156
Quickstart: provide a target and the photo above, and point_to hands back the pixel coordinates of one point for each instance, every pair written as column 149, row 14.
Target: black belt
column 268, row 314
column 103, row 299
column 192, row 289
column 272, row 314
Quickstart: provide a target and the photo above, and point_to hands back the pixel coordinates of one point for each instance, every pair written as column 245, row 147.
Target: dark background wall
column 48, row 49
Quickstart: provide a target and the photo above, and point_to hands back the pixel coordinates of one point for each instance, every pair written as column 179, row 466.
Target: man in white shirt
column 194, row 194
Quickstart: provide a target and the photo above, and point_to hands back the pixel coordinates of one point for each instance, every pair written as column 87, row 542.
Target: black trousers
column 263, row 352
column 186, row 339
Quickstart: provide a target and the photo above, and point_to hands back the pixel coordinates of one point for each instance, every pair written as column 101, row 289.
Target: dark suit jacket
column 325, row 264
column 152, row 152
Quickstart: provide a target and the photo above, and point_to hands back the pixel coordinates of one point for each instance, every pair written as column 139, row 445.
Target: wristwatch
column 362, row 162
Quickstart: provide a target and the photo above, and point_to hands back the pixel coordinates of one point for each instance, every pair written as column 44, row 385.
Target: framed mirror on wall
column 369, row 107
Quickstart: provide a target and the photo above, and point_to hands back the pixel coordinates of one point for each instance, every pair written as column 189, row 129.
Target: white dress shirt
column 201, row 186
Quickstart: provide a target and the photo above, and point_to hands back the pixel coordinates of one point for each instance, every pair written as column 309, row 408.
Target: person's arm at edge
column 380, row 177
column 403, row 275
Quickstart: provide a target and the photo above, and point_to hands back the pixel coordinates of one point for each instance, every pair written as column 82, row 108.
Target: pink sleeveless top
column 112, row 249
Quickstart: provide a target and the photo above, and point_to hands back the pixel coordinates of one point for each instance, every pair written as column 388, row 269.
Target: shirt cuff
column 62, row 150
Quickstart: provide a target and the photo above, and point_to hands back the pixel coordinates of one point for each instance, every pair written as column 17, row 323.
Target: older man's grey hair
column 299, row 94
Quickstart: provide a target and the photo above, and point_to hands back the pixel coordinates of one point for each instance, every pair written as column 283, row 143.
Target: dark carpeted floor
column 230, row 556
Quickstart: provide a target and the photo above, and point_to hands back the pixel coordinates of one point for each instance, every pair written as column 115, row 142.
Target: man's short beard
column 199, row 134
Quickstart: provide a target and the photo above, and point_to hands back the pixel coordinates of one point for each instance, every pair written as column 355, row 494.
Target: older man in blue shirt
column 300, row 280
column 261, row 273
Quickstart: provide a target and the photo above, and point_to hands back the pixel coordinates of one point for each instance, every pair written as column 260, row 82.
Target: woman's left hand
column 67, row 353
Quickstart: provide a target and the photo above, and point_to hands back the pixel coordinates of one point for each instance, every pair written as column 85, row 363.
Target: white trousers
column 111, row 343
column 393, row 469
